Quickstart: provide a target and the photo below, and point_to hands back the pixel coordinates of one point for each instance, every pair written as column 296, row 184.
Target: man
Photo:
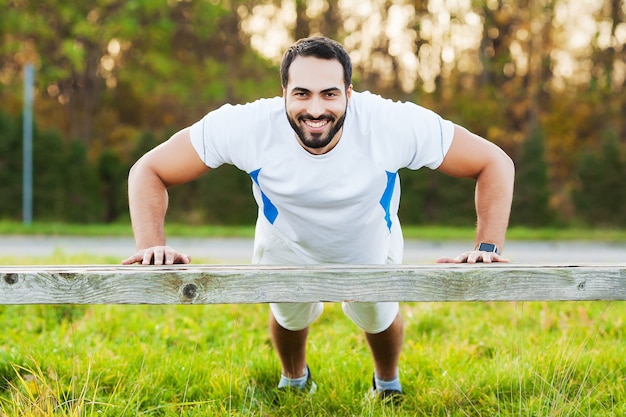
column 324, row 164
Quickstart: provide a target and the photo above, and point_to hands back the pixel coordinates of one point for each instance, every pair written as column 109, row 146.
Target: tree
column 531, row 204
column 155, row 52
column 112, row 72
column 601, row 194
column 10, row 167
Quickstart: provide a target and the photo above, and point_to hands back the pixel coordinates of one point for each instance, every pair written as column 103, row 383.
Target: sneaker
column 388, row 395
column 310, row 387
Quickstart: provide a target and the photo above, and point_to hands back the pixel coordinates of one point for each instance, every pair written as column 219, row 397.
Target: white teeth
column 316, row 124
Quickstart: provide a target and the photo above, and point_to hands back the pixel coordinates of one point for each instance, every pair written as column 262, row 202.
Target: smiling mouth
column 316, row 124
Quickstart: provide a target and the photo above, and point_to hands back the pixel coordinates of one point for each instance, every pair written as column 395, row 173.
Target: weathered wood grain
column 230, row 284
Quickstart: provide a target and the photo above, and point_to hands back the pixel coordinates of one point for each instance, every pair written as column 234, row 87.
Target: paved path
column 238, row 251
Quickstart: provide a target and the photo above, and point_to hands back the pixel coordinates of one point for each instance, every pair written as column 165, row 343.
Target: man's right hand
column 158, row 255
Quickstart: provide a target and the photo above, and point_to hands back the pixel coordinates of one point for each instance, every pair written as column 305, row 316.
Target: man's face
column 316, row 102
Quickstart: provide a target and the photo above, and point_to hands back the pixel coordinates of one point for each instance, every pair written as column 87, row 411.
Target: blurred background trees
column 544, row 79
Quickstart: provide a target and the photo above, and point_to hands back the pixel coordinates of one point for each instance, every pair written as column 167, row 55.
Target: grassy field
column 507, row 359
column 415, row 232
column 459, row 359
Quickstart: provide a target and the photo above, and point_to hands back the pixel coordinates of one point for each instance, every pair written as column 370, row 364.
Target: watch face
column 488, row 247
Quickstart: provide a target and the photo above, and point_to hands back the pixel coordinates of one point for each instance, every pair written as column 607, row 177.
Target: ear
column 349, row 92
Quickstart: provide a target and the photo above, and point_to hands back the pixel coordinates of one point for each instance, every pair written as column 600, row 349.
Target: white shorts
column 370, row 317
column 270, row 249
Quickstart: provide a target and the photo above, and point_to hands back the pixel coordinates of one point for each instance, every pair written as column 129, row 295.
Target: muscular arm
column 171, row 163
column 474, row 157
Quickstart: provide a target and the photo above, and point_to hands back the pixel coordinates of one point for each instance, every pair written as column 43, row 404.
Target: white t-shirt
column 339, row 207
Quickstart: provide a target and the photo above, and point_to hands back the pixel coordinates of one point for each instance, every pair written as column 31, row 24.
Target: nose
column 316, row 107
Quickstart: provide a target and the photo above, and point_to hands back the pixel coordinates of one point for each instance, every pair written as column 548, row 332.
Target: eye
column 332, row 93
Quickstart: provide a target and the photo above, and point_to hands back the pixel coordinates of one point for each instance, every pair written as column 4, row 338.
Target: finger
column 472, row 257
column 489, row 257
column 456, row 260
column 172, row 257
column 445, row 260
column 462, row 258
column 169, row 256
column 131, row 260
column 158, row 255
column 499, row 258
column 148, row 257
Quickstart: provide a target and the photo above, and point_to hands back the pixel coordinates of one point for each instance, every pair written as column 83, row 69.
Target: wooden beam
column 233, row 284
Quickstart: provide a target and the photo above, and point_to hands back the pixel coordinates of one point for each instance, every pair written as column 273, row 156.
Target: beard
column 317, row 140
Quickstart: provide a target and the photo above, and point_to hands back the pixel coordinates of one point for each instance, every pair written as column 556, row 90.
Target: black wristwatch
column 488, row 247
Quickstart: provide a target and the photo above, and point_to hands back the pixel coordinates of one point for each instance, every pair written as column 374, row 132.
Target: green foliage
column 531, row 205
column 223, row 196
column 68, row 187
column 162, row 52
column 429, row 197
column 109, row 72
column 601, row 195
column 113, row 174
column 64, row 185
column 10, row 167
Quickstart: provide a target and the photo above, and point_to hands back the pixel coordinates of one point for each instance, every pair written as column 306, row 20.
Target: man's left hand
column 473, row 257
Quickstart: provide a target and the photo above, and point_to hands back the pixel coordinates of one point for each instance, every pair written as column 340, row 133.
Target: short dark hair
column 317, row 47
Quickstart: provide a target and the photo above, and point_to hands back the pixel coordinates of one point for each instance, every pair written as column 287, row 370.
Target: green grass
column 459, row 359
column 518, row 233
column 120, row 229
column 413, row 232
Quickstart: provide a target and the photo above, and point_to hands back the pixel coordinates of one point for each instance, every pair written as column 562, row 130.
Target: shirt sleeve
column 210, row 140
column 434, row 140
column 405, row 134
column 236, row 134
